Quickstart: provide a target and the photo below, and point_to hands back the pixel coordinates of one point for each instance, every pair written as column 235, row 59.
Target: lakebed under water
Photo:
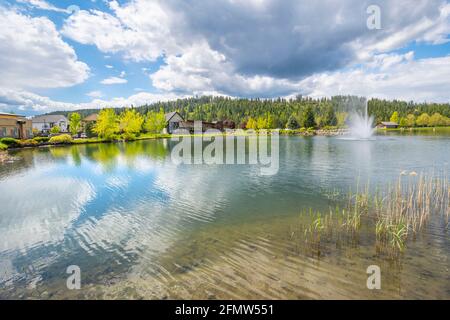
column 141, row 227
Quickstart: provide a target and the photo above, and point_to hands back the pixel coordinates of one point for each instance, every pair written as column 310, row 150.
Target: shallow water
column 139, row 226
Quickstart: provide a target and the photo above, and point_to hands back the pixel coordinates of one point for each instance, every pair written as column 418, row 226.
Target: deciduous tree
column 107, row 125
column 130, row 123
column 423, row 120
column 155, row 122
column 75, row 123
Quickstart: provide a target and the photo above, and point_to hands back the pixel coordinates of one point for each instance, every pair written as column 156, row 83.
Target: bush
column 3, row 146
column 128, row 136
column 10, row 142
column 29, row 143
column 62, row 139
column 55, row 130
column 41, row 139
column 113, row 137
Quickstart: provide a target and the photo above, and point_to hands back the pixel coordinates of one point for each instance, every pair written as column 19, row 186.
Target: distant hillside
column 239, row 110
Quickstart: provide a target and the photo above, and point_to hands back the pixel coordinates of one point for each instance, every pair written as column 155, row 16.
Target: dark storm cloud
column 292, row 39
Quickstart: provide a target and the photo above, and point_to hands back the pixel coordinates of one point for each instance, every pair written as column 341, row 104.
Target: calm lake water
column 140, row 226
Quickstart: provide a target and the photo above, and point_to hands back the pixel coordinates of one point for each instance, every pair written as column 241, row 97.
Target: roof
column 389, row 123
column 49, row 118
column 11, row 114
column 170, row 115
column 91, row 117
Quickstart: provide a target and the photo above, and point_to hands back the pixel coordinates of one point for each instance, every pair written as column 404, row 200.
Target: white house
column 46, row 122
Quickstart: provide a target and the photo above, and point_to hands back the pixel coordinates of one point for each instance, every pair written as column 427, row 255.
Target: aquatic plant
column 403, row 209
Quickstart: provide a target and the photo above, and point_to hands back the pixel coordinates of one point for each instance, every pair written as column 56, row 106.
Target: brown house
column 91, row 118
column 388, row 125
column 15, row 126
column 219, row 125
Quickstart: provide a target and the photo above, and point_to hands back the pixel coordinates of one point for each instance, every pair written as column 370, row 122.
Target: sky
column 71, row 54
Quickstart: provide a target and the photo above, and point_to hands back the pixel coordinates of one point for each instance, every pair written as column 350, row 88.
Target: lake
column 141, row 227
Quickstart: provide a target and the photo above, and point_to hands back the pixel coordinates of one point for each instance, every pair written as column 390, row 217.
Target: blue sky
column 68, row 54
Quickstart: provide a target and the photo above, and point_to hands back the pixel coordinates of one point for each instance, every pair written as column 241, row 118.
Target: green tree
column 395, row 117
column 403, row 122
column 423, row 120
column 437, row 120
column 155, row 122
column 269, row 121
column 130, row 123
column 410, row 120
column 292, row 123
column 55, row 130
column 75, row 123
column 106, row 126
column 330, row 118
column 342, row 118
column 308, row 118
column 89, row 129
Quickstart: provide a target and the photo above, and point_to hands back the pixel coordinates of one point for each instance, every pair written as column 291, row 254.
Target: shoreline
column 283, row 132
column 320, row 132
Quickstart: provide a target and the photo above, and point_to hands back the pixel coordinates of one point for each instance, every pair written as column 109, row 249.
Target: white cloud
column 27, row 102
column 114, row 80
column 273, row 38
column 254, row 48
column 109, row 66
column 24, row 101
column 262, row 48
column 387, row 76
column 95, row 94
column 33, row 55
column 43, row 5
column 200, row 70
column 140, row 30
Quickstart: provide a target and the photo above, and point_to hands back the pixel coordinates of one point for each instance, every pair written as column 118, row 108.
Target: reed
column 399, row 211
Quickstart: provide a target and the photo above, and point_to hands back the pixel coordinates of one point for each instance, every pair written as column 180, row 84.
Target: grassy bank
column 415, row 129
column 65, row 139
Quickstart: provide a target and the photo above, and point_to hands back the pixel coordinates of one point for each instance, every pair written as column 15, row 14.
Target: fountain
column 361, row 125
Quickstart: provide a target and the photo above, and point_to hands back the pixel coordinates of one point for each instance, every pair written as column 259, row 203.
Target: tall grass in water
column 394, row 214
column 408, row 205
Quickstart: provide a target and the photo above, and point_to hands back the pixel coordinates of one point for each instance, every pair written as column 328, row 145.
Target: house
column 173, row 120
column 90, row 118
column 225, row 124
column 388, row 125
column 218, row 125
column 15, row 126
column 44, row 123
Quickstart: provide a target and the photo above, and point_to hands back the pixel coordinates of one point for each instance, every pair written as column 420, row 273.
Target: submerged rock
column 6, row 158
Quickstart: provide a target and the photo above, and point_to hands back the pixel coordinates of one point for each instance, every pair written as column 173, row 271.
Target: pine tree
column 308, row 118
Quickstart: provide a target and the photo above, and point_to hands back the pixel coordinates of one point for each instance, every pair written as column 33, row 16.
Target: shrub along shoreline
column 67, row 139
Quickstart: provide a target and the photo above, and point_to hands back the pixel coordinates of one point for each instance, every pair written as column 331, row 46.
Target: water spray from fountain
column 361, row 124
